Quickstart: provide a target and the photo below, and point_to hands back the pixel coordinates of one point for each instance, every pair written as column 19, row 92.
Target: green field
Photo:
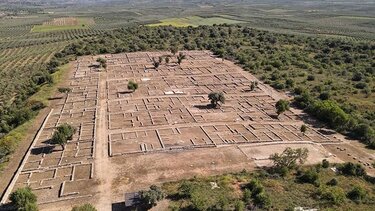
column 194, row 21
column 82, row 23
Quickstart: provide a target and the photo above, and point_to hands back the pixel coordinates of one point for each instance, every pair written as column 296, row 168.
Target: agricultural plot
column 195, row 21
column 68, row 23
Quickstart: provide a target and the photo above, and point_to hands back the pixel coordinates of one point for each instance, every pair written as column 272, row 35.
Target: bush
column 239, row 205
column 334, row 195
column 329, row 112
column 132, row 85
column 262, row 200
column 215, row 98
column 282, row 106
column 357, row 194
column 361, row 85
column 357, row 76
column 332, row 182
column 152, row 196
column 257, row 193
column 310, row 176
column 310, row 77
column 351, row 169
column 324, row 95
column 24, row 198
column 247, row 196
column 85, row 207
column 325, row 163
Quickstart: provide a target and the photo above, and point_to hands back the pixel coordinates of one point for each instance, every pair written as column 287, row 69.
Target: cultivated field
column 163, row 131
column 68, row 23
column 195, row 21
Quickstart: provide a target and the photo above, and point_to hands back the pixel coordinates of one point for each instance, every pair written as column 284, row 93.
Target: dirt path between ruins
column 103, row 170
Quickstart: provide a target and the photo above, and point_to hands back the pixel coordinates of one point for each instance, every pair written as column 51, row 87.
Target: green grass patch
column 195, row 21
column 48, row 90
column 81, row 23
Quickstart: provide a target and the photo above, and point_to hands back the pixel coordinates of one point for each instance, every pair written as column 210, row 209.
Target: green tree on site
column 102, row 61
column 174, row 50
column 180, row 57
column 24, row 199
column 132, row 86
column 152, row 196
column 216, row 98
column 282, row 106
column 289, row 157
column 156, row 63
column 85, row 207
column 253, row 85
column 64, row 90
column 62, row 134
column 303, row 129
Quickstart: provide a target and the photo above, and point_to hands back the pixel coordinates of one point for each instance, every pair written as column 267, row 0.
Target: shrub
column 24, row 198
column 357, row 194
column 239, row 205
column 325, row 163
column 329, row 112
column 85, row 207
column 357, row 76
column 310, row 77
column 64, row 89
column 262, row 200
column 310, row 176
column 282, row 106
column 247, row 196
column 361, row 85
column 298, row 90
column 215, row 98
column 335, row 195
column 132, row 85
column 332, row 182
column 324, row 95
column 351, row 169
column 152, row 196
column 257, row 193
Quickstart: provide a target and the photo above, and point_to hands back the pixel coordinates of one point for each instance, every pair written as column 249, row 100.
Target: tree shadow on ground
column 55, row 98
column 125, row 92
column 42, row 150
column 208, row 106
column 326, row 131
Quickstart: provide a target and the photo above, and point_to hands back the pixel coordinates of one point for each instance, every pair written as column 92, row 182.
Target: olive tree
column 303, row 129
column 24, row 199
column 152, row 196
column 282, row 106
column 132, row 86
column 215, row 98
column 62, row 134
column 180, row 57
column 289, row 157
